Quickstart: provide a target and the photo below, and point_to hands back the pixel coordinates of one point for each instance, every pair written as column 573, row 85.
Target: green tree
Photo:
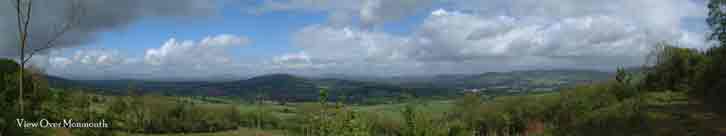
column 37, row 94
column 717, row 20
column 334, row 120
column 421, row 123
column 714, row 80
column 625, row 85
column 674, row 68
column 467, row 110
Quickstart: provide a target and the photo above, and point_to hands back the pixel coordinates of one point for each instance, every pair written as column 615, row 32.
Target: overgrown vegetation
column 137, row 114
column 629, row 104
column 154, row 114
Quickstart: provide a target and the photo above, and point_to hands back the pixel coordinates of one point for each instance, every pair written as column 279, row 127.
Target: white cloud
column 88, row 63
column 346, row 43
column 300, row 59
column 172, row 60
column 451, row 41
column 224, row 40
column 97, row 57
column 456, row 34
column 661, row 15
column 209, row 51
column 60, row 62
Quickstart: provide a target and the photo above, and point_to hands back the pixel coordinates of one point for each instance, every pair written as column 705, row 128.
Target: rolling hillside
column 286, row 87
column 535, row 80
column 522, row 79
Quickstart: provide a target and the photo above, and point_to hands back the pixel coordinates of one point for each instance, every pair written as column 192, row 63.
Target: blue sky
column 224, row 39
column 270, row 31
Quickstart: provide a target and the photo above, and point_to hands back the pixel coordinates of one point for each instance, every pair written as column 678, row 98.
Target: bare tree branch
column 21, row 38
column 17, row 4
column 27, row 21
column 24, row 37
column 74, row 18
column 50, row 43
column 20, row 23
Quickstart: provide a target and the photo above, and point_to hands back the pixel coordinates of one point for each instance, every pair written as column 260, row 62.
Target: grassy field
column 238, row 132
column 394, row 110
column 389, row 110
column 672, row 113
column 675, row 114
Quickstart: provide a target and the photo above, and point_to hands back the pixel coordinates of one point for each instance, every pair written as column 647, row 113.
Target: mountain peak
column 275, row 76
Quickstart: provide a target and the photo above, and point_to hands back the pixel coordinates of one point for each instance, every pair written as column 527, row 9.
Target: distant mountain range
column 295, row 88
column 521, row 79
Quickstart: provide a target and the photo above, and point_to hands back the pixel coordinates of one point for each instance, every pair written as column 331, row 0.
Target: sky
column 234, row 39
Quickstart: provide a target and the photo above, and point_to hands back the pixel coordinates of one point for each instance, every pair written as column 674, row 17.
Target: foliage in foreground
column 701, row 74
column 154, row 114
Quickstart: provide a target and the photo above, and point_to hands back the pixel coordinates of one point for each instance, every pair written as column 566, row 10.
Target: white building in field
column 475, row 90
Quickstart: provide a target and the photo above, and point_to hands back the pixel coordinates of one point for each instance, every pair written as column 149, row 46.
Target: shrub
column 261, row 118
column 421, row 123
column 156, row 114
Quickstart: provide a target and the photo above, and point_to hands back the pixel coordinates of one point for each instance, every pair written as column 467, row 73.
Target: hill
column 515, row 81
column 286, row 87
column 278, row 87
column 524, row 79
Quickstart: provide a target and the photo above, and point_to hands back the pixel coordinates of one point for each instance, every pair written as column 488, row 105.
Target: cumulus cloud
column 98, row 57
column 453, row 41
column 205, row 58
column 346, row 43
column 95, row 58
column 85, row 63
column 659, row 15
column 293, row 60
column 60, row 62
column 455, row 34
column 578, row 32
column 207, row 52
column 49, row 16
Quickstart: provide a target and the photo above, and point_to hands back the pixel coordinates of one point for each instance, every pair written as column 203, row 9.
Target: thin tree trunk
column 22, row 56
column 23, row 25
column 20, row 77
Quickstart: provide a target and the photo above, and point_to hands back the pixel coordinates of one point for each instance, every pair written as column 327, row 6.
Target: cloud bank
column 461, row 36
column 174, row 59
column 476, row 36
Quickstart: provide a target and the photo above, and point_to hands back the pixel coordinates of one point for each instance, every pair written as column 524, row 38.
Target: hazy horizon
column 342, row 76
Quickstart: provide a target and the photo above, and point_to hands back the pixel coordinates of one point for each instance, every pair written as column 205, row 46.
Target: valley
column 291, row 88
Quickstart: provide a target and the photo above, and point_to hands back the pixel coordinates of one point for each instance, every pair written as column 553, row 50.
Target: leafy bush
column 36, row 94
column 701, row 74
column 420, row 123
column 675, row 69
column 261, row 118
column 155, row 114
column 334, row 120
column 597, row 110
column 610, row 108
